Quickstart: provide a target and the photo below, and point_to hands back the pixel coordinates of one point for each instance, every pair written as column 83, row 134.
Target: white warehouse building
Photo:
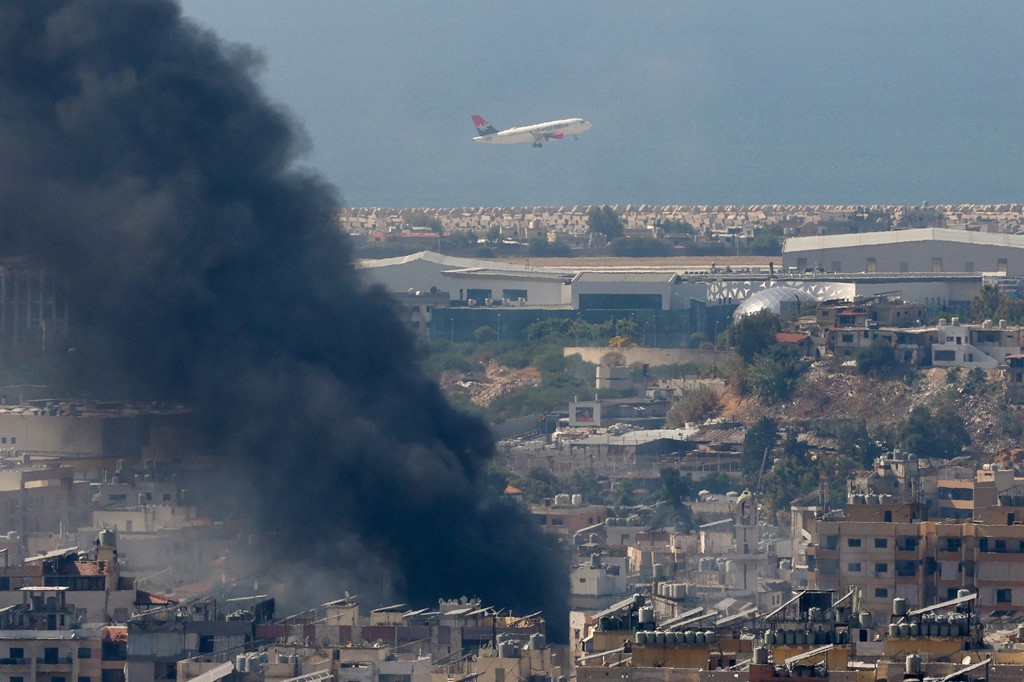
column 921, row 250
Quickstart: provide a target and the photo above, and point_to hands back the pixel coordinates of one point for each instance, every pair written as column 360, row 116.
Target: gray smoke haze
column 139, row 158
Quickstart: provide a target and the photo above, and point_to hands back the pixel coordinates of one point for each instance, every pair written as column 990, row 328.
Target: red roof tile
column 143, row 598
column 788, row 337
column 87, row 568
column 117, row 633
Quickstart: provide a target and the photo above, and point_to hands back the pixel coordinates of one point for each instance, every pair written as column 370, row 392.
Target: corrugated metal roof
column 820, row 242
column 638, row 437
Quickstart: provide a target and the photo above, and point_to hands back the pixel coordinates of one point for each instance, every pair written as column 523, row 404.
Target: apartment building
column 566, row 515
column 891, row 550
column 982, row 346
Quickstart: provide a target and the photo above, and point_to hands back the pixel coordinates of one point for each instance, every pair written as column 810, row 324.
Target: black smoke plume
column 138, row 157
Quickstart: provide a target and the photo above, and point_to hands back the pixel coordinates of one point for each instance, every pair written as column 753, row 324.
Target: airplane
column 539, row 133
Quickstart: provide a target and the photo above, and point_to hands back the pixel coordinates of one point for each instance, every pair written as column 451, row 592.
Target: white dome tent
column 780, row 300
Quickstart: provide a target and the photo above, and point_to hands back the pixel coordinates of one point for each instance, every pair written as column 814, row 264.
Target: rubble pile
column 496, row 381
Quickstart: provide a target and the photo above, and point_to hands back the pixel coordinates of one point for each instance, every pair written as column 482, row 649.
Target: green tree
column 854, row 441
column 718, row 482
column 539, row 247
column 878, row 360
column 753, row 334
column 767, row 242
column 676, row 227
column 675, row 488
column 942, row 435
column 773, row 375
column 985, row 304
column 757, row 446
column 605, row 221
column 421, row 219
column 639, row 247
column 793, row 474
column 696, row 405
column 1011, row 310
column 586, row 482
column 485, row 334
column 537, row 485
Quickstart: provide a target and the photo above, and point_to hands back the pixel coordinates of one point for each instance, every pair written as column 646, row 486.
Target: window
column 1004, row 596
column 904, row 266
column 828, row 566
column 853, row 567
column 206, row 644
column 944, row 355
column 17, row 652
column 936, row 265
column 905, row 569
column 513, row 294
column 84, row 652
column 881, row 543
column 583, row 580
column 881, row 568
column 831, row 542
column 955, row 493
column 557, row 521
column 50, row 654
column 906, row 544
column 881, row 592
column 853, row 542
column 887, row 516
column 847, row 338
column 478, row 295
column 1001, row 265
column 871, row 265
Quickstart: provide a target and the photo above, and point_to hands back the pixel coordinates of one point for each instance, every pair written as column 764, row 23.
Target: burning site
column 140, row 161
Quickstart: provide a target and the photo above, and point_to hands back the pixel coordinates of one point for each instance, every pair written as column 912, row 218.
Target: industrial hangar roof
column 820, row 242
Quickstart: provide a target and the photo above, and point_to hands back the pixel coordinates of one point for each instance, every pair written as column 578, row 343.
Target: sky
column 702, row 102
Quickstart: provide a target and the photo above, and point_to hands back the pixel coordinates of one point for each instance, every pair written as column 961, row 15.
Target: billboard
column 585, row 414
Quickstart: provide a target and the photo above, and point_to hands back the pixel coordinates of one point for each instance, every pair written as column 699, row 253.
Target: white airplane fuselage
column 539, row 132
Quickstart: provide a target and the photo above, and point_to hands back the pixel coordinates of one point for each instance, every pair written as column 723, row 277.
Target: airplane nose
column 587, row 124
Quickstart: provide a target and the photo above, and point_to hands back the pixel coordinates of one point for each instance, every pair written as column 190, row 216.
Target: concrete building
column 901, row 251
column 40, row 499
column 975, row 346
column 891, row 550
column 565, row 516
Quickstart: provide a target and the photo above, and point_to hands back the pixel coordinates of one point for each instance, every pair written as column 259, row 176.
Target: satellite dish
column 966, row 661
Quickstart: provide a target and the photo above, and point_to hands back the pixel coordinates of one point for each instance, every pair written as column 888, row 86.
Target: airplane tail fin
column 482, row 126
